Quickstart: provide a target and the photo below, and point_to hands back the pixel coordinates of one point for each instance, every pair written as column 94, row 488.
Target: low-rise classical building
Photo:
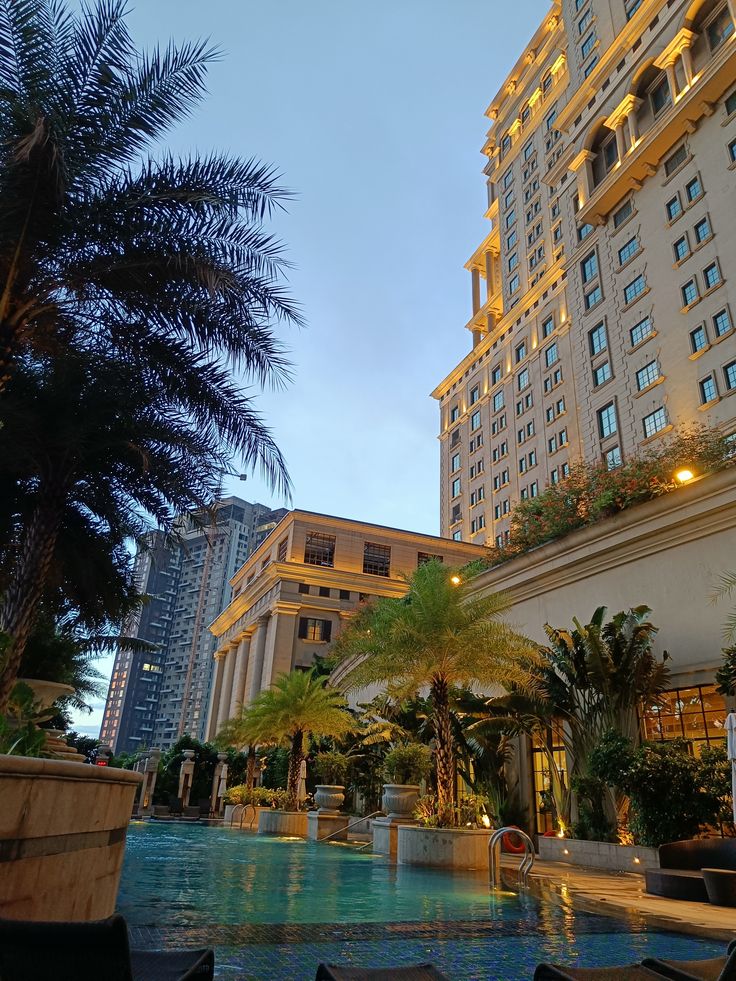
column 292, row 596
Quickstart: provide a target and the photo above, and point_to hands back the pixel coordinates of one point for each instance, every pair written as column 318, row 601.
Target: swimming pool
column 274, row 908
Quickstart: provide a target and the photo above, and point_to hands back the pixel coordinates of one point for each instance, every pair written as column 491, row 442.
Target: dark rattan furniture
column 681, row 862
column 720, row 884
column 96, row 951
column 418, row 972
column 650, row 969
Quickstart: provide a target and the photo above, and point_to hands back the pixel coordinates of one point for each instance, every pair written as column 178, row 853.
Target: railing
column 242, row 808
column 351, row 825
column 494, row 851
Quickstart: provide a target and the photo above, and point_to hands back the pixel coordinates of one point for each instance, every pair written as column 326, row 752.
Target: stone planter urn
column 45, row 693
column 329, row 797
column 399, row 800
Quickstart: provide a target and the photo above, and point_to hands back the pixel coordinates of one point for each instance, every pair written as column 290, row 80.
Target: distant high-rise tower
column 157, row 696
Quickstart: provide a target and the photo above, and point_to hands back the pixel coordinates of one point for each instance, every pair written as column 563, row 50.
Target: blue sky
column 373, row 113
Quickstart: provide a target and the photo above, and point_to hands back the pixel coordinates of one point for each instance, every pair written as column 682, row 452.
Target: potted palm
column 404, row 766
column 332, row 768
column 296, row 707
column 436, row 638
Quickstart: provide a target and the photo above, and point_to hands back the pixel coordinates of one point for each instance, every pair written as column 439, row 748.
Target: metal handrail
column 494, row 866
column 242, row 808
column 351, row 825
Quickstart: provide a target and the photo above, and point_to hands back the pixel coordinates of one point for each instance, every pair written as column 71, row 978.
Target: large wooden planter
column 287, row 823
column 62, row 837
column 599, row 854
column 445, row 848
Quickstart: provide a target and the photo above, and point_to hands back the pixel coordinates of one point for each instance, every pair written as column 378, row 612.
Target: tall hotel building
column 604, row 294
column 157, row 696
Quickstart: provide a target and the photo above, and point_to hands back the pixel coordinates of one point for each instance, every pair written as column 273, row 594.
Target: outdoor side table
column 720, row 885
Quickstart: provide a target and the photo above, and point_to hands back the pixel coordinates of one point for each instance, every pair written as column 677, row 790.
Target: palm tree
column 296, row 707
column 436, row 638
column 88, row 449
column 102, row 236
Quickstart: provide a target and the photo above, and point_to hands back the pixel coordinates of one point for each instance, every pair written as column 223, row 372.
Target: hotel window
column 520, row 352
column 554, row 476
column 522, row 379
column 551, row 355
column 422, row 559
column 504, row 477
column 601, row 374
column 609, row 150
column 475, row 420
column 552, row 444
column 655, row 422
column 584, row 231
column 532, row 458
column 455, row 463
column 597, row 339
column 647, row 375
column 659, row 94
column 496, row 374
column 730, row 104
column 474, row 394
column 719, row 28
column 454, row 413
column 511, row 240
column 513, row 261
column 533, row 488
column 508, row 199
column 497, row 512
column 732, row 151
column 507, row 178
column 520, row 436
column 282, row 550
column 624, row 212
column 689, row 293
column 693, row 189
column 456, row 487
column 548, row 326
column 565, row 470
column 588, row 44
column 528, row 149
column 514, row 283
column 589, row 267
column 698, row 339
column 631, row 7
column 590, row 66
column 376, row 559
column 695, row 714
column 315, row 630
column 549, row 119
column 675, row 160
column 560, row 406
column 547, row 83
column 319, row 549
column 510, row 218
column 593, row 298
column 584, row 21
column 505, row 145
column 639, row 332
column 627, row 251
column 729, row 373
column 702, row 230
column 712, row 276
column 457, row 536
column 530, row 428
column 681, row 249
column 634, row 289
column 722, row 323
column 612, row 458
column 522, row 465
column 607, row 423
column 498, row 401
column 708, row 390
column 673, row 208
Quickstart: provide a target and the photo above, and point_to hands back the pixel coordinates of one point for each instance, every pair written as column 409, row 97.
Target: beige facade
column 603, row 297
column 294, row 593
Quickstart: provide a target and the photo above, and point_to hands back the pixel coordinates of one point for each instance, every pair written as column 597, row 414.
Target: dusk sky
column 373, row 114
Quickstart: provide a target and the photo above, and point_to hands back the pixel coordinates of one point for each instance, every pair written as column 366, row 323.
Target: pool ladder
column 494, row 856
column 242, row 808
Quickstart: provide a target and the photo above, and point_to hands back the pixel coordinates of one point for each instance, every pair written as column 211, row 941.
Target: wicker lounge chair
column 90, row 952
column 418, row 972
column 681, row 863
column 713, row 969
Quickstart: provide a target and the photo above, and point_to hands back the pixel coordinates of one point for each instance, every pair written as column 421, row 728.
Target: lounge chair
column 175, row 806
column 90, row 951
column 415, row 972
column 712, row 969
column 680, row 876
column 204, row 807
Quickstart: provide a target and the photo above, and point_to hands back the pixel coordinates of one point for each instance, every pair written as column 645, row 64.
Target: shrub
column 407, row 763
column 258, row 796
column 592, row 823
column 332, row 766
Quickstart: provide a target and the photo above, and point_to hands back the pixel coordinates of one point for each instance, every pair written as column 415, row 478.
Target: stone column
column 633, row 128
column 227, row 684
column 214, row 707
column 221, row 757
column 475, row 276
column 279, row 653
column 186, row 775
column 241, row 667
column 687, row 65
column 255, row 665
column 490, row 276
column 671, row 79
column 620, row 142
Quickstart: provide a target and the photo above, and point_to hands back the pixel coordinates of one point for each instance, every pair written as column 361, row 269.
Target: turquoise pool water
column 273, row 908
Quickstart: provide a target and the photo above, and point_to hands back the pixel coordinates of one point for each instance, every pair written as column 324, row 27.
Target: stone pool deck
column 622, row 894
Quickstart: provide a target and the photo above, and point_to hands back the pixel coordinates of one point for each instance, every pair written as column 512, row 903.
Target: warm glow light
column 455, row 580
column 684, row 475
column 486, row 821
column 637, row 861
column 565, row 851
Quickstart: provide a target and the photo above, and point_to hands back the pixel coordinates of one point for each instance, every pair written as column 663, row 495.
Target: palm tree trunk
column 23, row 596
column 445, row 753
column 250, row 768
column 296, row 754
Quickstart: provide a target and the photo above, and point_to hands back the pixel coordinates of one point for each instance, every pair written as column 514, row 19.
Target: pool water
column 275, row 907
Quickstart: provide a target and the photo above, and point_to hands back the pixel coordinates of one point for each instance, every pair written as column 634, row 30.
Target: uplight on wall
column 684, row 476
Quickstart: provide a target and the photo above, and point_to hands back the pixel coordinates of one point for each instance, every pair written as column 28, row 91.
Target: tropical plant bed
column 447, row 848
column 288, row 823
column 62, row 837
column 599, row 854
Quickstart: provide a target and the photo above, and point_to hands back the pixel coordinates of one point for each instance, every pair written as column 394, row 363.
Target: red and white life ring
column 508, row 845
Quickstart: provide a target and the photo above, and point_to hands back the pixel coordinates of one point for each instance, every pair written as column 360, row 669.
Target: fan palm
column 296, row 707
column 435, row 638
column 101, row 236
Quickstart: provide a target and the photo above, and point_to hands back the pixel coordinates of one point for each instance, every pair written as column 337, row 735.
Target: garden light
column 684, row 475
column 455, row 580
